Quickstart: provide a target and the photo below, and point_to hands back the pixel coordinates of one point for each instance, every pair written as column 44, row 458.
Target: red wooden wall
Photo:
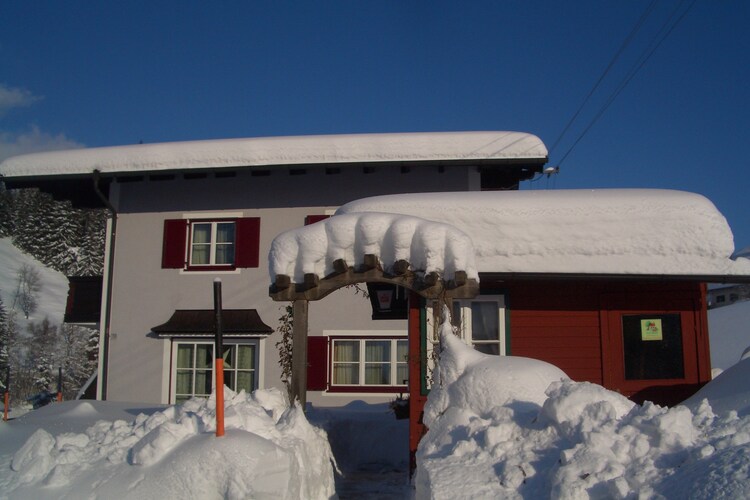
column 569, row 323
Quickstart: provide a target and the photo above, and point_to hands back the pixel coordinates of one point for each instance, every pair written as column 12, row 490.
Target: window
column 652, row 346
column 370, row 362
column 482, row 323
column 194, row 368
column 211, row 245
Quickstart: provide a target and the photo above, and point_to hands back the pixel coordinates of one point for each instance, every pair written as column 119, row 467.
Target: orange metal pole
column 219, row 396
column 218, row 355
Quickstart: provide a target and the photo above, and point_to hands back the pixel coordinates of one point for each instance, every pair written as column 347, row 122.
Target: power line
column 655, row 43
column 623, row 46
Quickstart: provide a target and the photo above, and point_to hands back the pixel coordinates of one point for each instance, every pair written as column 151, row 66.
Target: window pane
column 201, row 233
column 653, row 346
column 200, row 254
column 184, row 382
column 229, row 379
column 245, row 381
column 402, row 374
column 484, row 321
column 345, row 373
column 225, row 254
column 402, row 351
column 346, row 350
column 377, row 374
column 184, row 356
column 490, row 348
column 203, row 382
column 204, row 356
column 228, row 357
column 246, row 357
column 377, row 350
column 225, row 232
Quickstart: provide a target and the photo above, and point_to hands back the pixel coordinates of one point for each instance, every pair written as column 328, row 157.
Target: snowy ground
column 53, row 293
column 535, row 435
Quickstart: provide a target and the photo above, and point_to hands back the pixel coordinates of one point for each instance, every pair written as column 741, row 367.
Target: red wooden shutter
column 312, row 219
column 247, row 251
column 317, row 363
column 173, row 251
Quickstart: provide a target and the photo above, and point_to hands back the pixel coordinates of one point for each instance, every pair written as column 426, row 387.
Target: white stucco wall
column 145, row 295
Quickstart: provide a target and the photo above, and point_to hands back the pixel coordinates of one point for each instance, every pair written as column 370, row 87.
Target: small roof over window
column 200, row 323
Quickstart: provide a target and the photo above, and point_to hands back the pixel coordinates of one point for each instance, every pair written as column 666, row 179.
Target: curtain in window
column 402, row 368
column 201, row 248
column 346, row 362
column 225, row 243
column 378, row 362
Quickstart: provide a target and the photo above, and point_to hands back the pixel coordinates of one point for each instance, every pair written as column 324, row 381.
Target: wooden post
column 59, row 384
column 299, row 352
column 417, row 394
column 219, row 359
column 6, row 394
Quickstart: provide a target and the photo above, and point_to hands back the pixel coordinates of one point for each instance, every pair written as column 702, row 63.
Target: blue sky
column 107, row 73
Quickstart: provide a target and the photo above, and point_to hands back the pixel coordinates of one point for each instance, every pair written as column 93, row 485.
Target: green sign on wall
column 651, row 329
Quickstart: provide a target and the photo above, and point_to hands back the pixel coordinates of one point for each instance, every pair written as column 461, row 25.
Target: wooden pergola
column 429, row 286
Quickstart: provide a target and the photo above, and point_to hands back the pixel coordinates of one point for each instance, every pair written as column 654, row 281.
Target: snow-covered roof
column 270, row 151
column 608, row 231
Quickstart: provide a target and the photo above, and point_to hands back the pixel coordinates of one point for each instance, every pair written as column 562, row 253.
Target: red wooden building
column 609, row 286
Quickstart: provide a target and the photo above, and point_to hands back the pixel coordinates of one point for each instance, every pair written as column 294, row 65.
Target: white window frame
column 465, row 320
column 212, row 243
column 173, row 370
column 394, row 361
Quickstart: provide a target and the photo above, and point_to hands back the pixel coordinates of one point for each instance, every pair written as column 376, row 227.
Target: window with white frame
column 482, row 323
column 212, row 243
column 370, row 362
column 194, row 368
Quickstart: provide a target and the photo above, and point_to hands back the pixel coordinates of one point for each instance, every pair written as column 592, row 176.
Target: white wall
column 144, row 295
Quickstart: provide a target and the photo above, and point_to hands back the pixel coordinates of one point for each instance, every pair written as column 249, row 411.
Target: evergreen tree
column 42, row 353
column 72, row 350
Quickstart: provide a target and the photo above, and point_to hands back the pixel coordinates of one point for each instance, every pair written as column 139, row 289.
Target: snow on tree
column 28, row 286
column 73, row 356
column 42, row 346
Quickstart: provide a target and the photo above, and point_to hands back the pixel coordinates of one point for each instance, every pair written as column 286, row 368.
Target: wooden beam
column 430, row 286
column 299, row 352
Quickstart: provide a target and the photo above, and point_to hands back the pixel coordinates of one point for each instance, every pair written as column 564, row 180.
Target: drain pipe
column 104, row 341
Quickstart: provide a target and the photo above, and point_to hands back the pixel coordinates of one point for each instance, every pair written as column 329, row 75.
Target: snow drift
column 268, row 451
column 502, row 438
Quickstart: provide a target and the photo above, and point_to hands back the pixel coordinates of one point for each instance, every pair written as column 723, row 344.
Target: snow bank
column 268, row 151
column 54, row 285
column 428, row 246
column 730, row 333
column 575, row 440
column 268, row 451
column 620, row 231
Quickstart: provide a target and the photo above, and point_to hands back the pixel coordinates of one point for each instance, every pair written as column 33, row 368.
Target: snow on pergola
column 608, row 231
column 430, row 247
column 474, row 147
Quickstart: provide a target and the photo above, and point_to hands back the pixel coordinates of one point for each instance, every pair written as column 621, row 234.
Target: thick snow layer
column 576, row 439
column 609, row 231
column 54, row 286
column 428, row 246
column 268, row 451
column 268, row 151
column 729, row 333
